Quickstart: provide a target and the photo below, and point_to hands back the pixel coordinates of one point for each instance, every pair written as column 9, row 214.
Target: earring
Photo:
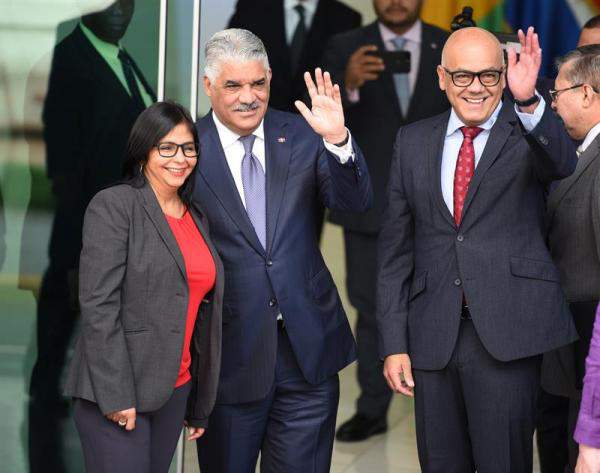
column 142, row 168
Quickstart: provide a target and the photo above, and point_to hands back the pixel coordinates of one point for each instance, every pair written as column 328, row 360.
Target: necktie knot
column 248, row 142
column 301, row 10
column 399, row 42
column 470, row 132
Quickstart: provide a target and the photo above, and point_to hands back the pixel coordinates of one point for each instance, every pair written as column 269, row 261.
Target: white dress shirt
column 454, row 139
column 412, row 45
column 292, row 17
column 591, row 136
column 234, row 151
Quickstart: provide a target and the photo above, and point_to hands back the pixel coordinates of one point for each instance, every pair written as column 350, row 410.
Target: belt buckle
column 465, row 314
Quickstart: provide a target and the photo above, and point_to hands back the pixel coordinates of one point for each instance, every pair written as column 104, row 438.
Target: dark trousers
column 563, row 373
column 478, row 413
column 292, row 428
column 57, row 313
column 552, row 433
column 361, row 274
column 149, row 448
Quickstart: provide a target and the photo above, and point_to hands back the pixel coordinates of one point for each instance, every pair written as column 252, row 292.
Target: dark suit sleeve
column 241, row 12
column 335, row 59
column 394, row 262
column 101, row 272
column 596, row 213
column 347, row 186
column 554, row 155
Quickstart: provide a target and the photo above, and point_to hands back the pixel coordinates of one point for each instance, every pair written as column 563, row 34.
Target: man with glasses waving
column 468, row 295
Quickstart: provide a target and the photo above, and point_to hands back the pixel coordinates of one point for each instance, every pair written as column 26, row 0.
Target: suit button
column 273, row 302
column 457, row 282
column 543, row 140
column 269, row 263
column 460, row 238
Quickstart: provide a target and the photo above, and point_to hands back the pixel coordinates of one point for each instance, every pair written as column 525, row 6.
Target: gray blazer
column 574, row 240
column 574, row 227
column 133, row 294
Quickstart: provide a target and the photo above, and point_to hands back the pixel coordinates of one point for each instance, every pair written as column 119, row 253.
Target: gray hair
column 236, row 45
column 583, row 65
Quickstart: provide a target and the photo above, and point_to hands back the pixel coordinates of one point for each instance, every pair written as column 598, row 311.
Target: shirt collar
column 309, row 5
column 105, row 48
column 591, row 136
column 229, row 137
column 455, row 123
column 413, row 34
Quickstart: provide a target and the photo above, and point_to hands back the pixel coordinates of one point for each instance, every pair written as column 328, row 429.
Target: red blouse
column 201, row 274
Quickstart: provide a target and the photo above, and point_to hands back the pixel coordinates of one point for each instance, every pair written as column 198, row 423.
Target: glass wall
column 67, row 102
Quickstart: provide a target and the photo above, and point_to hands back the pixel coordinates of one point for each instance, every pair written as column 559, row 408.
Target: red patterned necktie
column 465, row 167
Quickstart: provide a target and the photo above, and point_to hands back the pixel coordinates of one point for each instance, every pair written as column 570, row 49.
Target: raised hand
column 522, row 74
column 326, row 115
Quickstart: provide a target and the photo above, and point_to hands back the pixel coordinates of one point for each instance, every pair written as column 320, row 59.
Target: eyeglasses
column 168, row 149
column 554, row 93
column 487, row 78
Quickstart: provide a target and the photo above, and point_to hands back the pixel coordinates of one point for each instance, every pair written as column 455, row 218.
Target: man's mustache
column 247, row 107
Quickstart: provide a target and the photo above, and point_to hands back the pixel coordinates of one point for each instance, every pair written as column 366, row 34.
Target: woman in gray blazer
column 150, row 289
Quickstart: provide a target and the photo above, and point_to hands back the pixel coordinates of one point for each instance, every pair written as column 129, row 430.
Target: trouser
column 477, row 413
column 292, row 428
column 149, row 448
column 361, row 274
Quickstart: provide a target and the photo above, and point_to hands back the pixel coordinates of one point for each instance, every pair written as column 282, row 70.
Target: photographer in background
column 378, row 101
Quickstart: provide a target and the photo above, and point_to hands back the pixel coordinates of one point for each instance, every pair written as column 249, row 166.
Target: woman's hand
column 589, row 459
column 125, row 418
column 195, row 433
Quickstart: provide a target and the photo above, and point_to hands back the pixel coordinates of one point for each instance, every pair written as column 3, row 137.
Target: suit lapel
column 215, row 172
column 278, row 153
column 565, row 184
column 154, row 211
column 426, row 65
column 387, row 80
column 499, row 133
column 435, row 148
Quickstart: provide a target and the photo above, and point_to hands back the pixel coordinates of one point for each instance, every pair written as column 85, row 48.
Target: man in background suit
column 376, row 106
column 574, row 225
column 554, row 436
column 95, row 93
column 468, row 296
column 294, row 33
column 285, row 332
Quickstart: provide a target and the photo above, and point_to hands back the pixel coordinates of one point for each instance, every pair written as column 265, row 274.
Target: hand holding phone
column 363, row 66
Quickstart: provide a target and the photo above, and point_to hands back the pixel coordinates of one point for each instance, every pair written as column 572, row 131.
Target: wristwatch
column 528, row 102
column 343, row 143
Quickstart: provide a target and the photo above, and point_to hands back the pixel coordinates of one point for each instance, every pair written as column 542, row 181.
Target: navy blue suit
column 289, row 277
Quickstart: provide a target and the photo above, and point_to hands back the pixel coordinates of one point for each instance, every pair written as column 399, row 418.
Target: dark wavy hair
column 153, row 124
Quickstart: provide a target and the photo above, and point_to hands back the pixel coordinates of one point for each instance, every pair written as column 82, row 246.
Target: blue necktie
column 401, row 80
column 253, row 181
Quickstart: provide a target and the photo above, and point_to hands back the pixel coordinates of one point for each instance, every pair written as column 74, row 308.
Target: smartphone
column 396, row 62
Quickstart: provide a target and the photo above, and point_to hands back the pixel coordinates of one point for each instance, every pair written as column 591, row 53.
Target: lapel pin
column 433, row 45
column 281, row 139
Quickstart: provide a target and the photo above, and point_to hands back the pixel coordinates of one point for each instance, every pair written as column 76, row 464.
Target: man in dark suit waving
column 468, row 295
column 294, row 33
column 378, row 102
column 285, row 333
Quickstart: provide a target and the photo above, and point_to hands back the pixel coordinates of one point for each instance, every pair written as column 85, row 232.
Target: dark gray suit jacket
column 574, row 240
column 133, row 293
column 497, row 256
column 574, row 227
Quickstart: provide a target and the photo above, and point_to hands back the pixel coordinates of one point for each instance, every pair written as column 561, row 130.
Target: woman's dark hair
column 151, row 126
